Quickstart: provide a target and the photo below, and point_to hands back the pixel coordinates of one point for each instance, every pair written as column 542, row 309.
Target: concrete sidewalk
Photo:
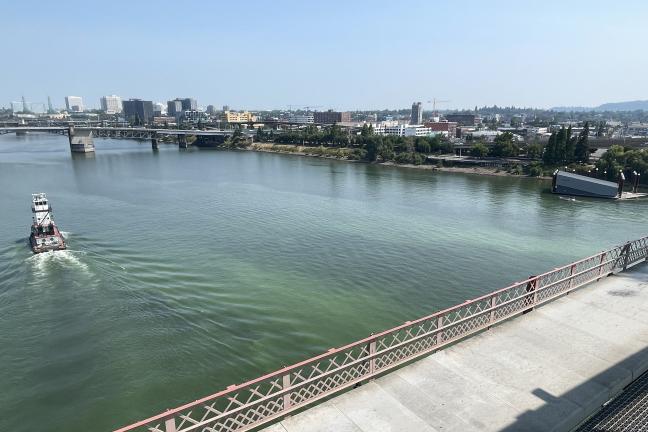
column 547, row 370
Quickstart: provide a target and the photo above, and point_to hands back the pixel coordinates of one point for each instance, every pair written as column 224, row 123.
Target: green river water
column 188, row 271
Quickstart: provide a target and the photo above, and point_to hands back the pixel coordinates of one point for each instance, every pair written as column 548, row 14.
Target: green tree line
column 564, row 148
column 374, row 147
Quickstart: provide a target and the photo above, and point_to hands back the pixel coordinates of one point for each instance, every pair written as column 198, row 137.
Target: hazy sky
column 335, row 54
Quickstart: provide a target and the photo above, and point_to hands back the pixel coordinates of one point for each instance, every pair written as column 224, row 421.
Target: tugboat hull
column 47, row 243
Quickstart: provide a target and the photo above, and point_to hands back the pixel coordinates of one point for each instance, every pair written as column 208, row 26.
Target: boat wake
column 62, row 258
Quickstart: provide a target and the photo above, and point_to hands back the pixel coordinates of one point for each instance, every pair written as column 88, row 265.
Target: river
column 188, row 271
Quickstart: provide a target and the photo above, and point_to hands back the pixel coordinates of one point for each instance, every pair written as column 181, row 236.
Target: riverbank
column 350, row 155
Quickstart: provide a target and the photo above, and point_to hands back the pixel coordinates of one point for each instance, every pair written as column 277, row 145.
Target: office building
column 111, row 104
column 330, row 117
column 211, row 110
column 74, row 103
column 195, row 116
column 189, row 104
column 450, row 128
column 300, row 118
column 174, row 108
column 138, row 111
column 396, row 129
column 177, row 106
column 464, row 119
column 238, row 117
column 417, row 114
column 159, row 109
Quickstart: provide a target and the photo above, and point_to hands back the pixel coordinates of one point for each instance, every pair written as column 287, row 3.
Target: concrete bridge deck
column 547, row 370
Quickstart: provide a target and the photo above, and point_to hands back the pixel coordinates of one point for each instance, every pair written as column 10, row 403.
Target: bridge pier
column 80, row 140
column 154, row 141
column 182, row 141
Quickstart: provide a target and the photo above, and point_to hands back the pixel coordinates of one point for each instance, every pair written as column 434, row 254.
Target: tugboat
column 45, row 235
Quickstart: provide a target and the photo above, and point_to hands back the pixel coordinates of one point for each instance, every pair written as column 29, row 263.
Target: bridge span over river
column 155, row 135
column 543, row 354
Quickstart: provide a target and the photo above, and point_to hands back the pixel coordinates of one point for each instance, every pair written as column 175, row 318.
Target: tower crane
column 434, row 103
column 308, row 107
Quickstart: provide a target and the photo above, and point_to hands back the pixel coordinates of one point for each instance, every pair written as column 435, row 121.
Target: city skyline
column 337, row 55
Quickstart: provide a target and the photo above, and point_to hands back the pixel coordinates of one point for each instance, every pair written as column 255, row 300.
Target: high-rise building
column 158, row 109
column 74, row 103
column 330, row 117
column 189, row 104
column 210, row 109
column 111, row 104
column 138, row 111
column 174, row 108
column 417, row 113
column 177, row 106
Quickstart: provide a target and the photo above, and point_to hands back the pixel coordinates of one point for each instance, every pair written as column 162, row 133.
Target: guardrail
column 257, row 402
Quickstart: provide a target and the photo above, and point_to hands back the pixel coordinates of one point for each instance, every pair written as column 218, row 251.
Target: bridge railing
column 259, row 401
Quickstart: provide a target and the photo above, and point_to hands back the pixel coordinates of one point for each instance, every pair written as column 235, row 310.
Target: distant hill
column 611, row 106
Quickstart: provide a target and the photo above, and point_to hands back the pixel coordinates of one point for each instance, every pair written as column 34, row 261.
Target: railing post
column 169, row 425
column 603, row 255
column 493, row 303
column 372, row 360
column 439, row 335
column 528, row 300
column 626, row 258
column 571, row 277
column 285, row 383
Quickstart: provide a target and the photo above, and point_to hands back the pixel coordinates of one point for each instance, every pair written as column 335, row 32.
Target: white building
column 393, row 128
column 74, row 103
column 111, row 104
column 301, row 118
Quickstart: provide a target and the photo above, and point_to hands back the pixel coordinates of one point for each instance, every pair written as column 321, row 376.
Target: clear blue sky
column 337, row 54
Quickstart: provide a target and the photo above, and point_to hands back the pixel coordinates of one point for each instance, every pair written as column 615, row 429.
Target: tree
column 600, row 130
column 570, row 146
column 561, row 145
column 611, row 163
column 422, row 145
column 479, row 150
column 371, row 148
column 581, row 151
column 367, row 130
column 503, row 146
column 260, row 134
column 534, row 150
column 549, row 155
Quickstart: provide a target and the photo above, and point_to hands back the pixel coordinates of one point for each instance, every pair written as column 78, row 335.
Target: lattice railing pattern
column 257, row 402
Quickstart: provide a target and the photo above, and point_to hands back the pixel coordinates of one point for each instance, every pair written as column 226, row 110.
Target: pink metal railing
column 261, row 400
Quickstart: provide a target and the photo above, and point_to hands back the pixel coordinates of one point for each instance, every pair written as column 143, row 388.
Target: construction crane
column 434, row 103
column 302, row 106
column 308, row 107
